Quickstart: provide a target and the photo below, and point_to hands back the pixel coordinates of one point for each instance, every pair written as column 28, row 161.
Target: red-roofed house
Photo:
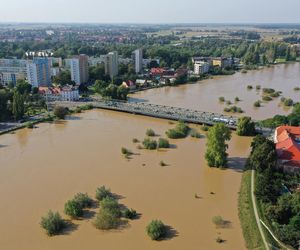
column 287, row 139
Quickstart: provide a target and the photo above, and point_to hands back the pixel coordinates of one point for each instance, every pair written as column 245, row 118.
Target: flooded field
column 41, row 169
column 205, row 95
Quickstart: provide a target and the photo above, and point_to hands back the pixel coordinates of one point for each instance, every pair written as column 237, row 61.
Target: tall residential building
column 12, row 70
column 39, row 72
column 201, row 67
column 112, row 64
column 138, row 60
column 80, row 69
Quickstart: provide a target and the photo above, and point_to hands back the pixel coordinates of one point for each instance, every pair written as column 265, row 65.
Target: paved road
column 256, row 212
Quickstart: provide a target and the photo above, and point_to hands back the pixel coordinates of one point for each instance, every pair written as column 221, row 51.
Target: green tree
column 216, row 154
column 52, row 223
column 245, row 127
column 73, row 209
column 18, row 107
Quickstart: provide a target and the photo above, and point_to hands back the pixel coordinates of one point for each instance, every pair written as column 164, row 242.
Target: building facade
column 201, row 67
column 12, row 70
column 112, row 64
column 138, row 60
column 79, row 67
column 39, row 72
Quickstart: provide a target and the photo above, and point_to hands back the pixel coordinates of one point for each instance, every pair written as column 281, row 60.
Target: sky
column 150, row 11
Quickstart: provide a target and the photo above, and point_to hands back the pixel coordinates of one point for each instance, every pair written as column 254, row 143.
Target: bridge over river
column 165, row 112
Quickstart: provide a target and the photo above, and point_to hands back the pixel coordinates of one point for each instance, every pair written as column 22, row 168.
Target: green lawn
column 246, row 214
column 280, row 60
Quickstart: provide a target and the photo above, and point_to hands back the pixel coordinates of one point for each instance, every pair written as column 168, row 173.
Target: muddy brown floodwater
column 41, row 169
column 205, row 94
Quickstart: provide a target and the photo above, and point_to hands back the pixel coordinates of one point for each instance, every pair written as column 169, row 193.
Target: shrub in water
column 103, row 192
column 129, row 214
column 195, row 134
column 267, row 98
column 60, row 112
column 73, row 209
column 149, row 144
column 150, row 132
column 221, row 99
column 218, row 221
column 163, row 143
column 180, row 131
column 83, row 200
column 52, row 223
column 156, row 230
column 106, row 221
column 110, row 205
column 257, row 104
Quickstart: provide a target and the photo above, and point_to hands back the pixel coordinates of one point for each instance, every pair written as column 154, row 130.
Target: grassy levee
column 246, row 214
column 265, row 220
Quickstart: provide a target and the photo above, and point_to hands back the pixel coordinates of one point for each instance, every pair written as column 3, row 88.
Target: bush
column 86, row 107
column 258, row 87
column 106, row 221
column 29, row 125
column 112, row 206
column 129, row 214
column 180, row 131
column 268, row 91
column 156, row 230
column 218, row 221
column 236, row 99
column 275, row 94
column 162, row 164
column 103, row 192
column 52, row 223
column 221, row 99
column 205, row 128
column 149, row 144
column 73, row 209
column 83, row 200
column 125, row 151
column 163, row 143
column 267, row 98
column 288, row 102
column 134, row 140
column 296, row 89
column 195, row 134
column 228, row 102
column 249, row 87
column 60, row 112
column 257, row 104
column 150, row 132
column 77, row 110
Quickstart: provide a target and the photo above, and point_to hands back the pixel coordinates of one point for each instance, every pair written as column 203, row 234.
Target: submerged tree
column 216, row 154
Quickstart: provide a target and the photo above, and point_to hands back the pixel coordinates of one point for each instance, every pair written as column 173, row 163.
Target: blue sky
column 151, row 11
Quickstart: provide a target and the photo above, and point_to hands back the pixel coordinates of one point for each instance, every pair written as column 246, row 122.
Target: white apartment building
column 201, row 67
column 12, row 70
column 39, row 72
column 138, row 60
column 112, row 64
column 69, row 93
column 79, row 69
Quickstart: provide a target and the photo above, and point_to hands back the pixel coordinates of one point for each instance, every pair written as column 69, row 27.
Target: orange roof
column 288, row 144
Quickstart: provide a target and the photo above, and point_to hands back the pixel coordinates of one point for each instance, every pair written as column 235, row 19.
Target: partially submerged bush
column 103, row 192
column 129, row 214
column 195, row 134
column 134, row 140
column 162, row 164
column 52, row 223
column 221, row 99
column 180, row 131
column 267, row 98
column 73, row 209
column 288, row 102
column 83, row 200
column 149, row 144
column 249, row 87
column 205, row 128
column 126, row 151
column 60, row 112
column 257, row 104
column 106, row 221
column 268, row 90
column 163, row 143
column 218, row 221
column 258, row 87
column 150, row 132
column 237, row 99
column 111, row 205
column 156, row 230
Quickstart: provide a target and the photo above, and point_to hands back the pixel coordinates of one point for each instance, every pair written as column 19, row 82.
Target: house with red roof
column 287, row 139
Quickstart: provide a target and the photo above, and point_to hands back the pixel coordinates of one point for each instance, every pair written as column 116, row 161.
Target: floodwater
column 41, row 169
column 204, row 95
